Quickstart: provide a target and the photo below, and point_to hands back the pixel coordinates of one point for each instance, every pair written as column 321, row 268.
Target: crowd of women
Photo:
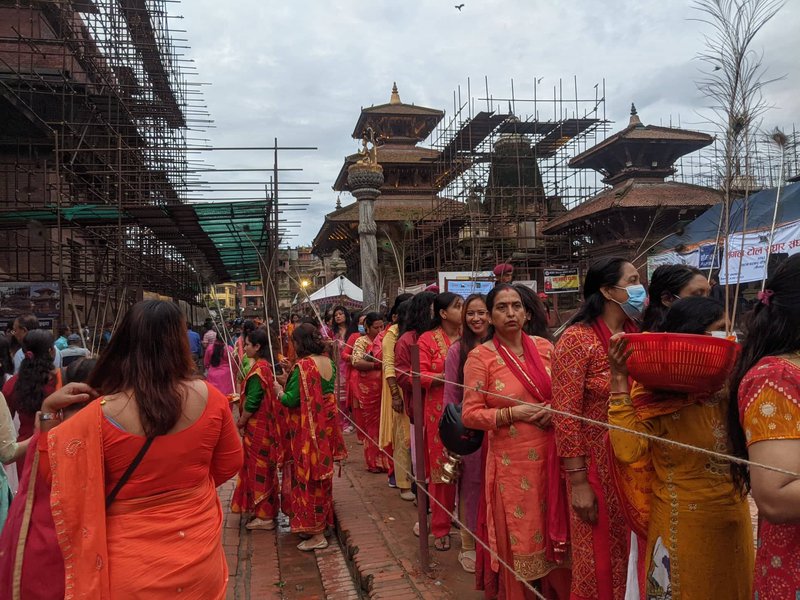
column 587, row 483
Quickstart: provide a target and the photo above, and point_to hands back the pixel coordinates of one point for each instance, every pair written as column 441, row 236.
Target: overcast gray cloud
column 301, row 71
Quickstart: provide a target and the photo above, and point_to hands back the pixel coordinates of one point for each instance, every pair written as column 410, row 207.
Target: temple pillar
column 365, row 180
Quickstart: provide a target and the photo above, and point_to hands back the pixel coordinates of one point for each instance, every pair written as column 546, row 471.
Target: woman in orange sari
column 433, row 347
column 600, row 535
column 134, row 474
column 765, row 388
column 367, row 391
column 315, row 436
column 517, row 485
column 350, row 376
column 257, row 490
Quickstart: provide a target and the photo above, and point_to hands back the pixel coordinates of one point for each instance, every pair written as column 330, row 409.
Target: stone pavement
column 266, row 565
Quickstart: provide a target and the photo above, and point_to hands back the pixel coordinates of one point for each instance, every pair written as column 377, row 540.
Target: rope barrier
column 650, row 437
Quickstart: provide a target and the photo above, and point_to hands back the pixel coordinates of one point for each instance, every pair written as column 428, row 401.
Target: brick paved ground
column 266, row 565
column 375, row 528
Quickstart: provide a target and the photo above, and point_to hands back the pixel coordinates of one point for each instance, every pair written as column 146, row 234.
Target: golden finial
column 395, row 99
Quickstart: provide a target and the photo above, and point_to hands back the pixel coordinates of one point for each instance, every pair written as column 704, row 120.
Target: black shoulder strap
column 129, row 471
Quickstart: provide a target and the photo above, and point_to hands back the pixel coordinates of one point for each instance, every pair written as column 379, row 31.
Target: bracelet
column 576, row 470
column 49, row 416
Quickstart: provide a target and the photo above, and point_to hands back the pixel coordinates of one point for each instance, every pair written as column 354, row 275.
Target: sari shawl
column 535, row 378
column 103, row 549
column 264, row 447
column 369, row 385
column 433, row 347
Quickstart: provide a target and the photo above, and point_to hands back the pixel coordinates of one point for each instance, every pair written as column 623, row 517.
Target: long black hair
column 606, row 272
column 6, row 362
column 402, row 314
column 353, row 325
column 35, row 371
column 346, row 323
column 669, row 281
column 694, row 314
column 442, row 302
column 772, row 328
column 419, row 316
column 537, row 315
column 216, row 353
column 397, row 302
column 307, row 340
column 468, row 339
column 259, row 337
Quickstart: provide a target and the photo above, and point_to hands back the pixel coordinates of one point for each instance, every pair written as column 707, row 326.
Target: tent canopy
column 341, row 286
column 760, row 207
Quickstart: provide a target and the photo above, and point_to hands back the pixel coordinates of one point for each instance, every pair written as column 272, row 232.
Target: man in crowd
column 22, row 325
column 74, row 350
column 195, row 345
column 503, row 273
column 63, row 334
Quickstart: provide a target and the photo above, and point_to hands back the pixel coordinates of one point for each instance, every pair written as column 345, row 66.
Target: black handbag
column 455, row 436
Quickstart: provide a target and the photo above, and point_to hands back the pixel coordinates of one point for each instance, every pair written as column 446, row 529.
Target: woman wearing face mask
column 474, row 327
column 699, row 534
column 433, row 347
column 668, row 284
column 507, row 381
column 613, row 298
column 366, row 363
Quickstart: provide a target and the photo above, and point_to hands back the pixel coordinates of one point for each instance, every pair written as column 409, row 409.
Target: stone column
column 365, row 181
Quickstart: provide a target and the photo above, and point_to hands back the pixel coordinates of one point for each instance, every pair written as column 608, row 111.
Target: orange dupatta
column 77, row 499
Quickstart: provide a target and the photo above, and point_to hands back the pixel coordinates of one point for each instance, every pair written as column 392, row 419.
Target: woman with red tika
column 368, row 388
column 613, row 298
column 433, row 347
column 257, row 490
column 315, row 436
column 507, row 381
column 765, row 396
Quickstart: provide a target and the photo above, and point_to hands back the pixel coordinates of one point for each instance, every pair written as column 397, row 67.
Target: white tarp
column 341, row 286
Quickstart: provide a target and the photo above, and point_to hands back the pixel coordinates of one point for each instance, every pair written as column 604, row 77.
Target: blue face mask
column 634, row 305
column 362, row 330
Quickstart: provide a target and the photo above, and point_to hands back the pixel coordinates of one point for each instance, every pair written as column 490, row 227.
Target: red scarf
column 534, row 378
column 604, row 334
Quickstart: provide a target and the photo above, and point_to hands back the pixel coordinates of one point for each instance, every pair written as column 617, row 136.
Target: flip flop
column 466, row 559
column 442, row 544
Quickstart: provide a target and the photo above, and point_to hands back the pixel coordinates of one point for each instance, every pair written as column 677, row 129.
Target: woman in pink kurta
column 507, row 380
column 219, row 364
column 433, row 346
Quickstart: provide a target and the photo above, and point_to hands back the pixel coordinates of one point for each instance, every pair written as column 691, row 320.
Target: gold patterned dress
column 516, row 474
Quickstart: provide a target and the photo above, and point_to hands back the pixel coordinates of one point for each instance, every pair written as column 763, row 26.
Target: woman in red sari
column 600, row 536
column 315, row 436
column 341, row 325
column 433, row 347
column 350, row 375
column 764, row 424
column 516, row 367
column 257, row 490
column 368, row 388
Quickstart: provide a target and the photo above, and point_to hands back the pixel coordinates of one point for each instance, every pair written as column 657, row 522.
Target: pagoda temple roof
column 640, row 151
column 389, row 155
column 634, row 194
column 427, row 118
column 343, row 222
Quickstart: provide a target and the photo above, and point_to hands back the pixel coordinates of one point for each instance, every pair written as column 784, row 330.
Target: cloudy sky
column 301, row 71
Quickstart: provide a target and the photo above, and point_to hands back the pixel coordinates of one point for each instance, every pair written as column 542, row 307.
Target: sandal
column 308, row 546
column 442, row 544
column 466, row 559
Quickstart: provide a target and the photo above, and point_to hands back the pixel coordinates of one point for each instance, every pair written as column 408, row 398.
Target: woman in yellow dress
column 699, row 535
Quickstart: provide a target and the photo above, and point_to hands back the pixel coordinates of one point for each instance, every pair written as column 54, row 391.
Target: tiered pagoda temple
column 641, row 207
column 408, row 193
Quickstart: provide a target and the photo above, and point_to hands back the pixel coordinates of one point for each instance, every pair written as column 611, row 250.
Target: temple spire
column 635, row 121
column 395, row 99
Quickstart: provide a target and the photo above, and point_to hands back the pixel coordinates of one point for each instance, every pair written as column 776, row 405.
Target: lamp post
column 365, row 178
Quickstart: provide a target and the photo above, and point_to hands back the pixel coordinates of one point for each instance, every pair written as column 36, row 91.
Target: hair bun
column 29, row 355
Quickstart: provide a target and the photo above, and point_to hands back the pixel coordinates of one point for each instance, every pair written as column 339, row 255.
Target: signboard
column 465, row 283
column 528, row 283
column 42, row 298
column 747, row 253
column 561, row 281
column 466, row 288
